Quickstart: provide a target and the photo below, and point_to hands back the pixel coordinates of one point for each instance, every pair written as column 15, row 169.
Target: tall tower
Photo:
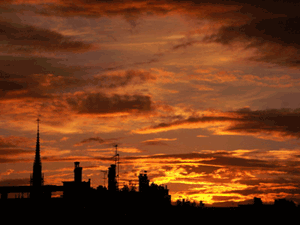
column 112, row 182
column 37, row 178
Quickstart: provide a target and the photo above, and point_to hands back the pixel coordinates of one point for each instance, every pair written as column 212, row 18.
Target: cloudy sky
column 203, row 95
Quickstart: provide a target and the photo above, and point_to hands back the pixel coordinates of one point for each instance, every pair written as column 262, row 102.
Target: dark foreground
column 62, row 212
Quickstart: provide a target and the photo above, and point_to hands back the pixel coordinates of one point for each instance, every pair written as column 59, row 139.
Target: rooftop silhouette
column 127, row 202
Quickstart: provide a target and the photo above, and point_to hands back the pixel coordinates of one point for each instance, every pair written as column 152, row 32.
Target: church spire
column 37, row 179
column 37, row 148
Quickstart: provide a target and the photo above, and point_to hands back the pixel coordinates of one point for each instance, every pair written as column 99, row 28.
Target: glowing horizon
column 204, row 96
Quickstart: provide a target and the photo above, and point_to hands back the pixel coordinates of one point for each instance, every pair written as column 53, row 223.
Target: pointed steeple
column 37, row 159
column 37, row 179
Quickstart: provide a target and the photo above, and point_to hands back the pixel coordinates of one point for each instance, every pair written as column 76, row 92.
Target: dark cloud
column 268, row 121
column 17, row 87
column 184, row 44
column 276, row 40
column 99, row 103
column 13, row 151
column 154, row 142
column 6, row 143
column 35, row 77
column 27, row 38
column 26, row 66
column 199, row 168
column 278, row 181
column 96, row 8
column 122, row 79
column 258, row 191
column 282, row 30
column 14, row 141
column 11, row 86
column 12, row 147
column 240, row 162
column 218, row 198
column 279, row 123
column 158, row 141
column 184, row 123
column 132, row 10
column 98, row 140
column 211, row 160
column 271, row 28
column 73, row 159
column 14, row 160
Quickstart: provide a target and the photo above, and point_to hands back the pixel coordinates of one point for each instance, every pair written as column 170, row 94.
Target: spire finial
column 37, row 177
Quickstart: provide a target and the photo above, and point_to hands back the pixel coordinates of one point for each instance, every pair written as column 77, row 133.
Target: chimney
column 77, row 173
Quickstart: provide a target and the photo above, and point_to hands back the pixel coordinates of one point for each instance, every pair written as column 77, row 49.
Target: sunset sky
column 204, row 95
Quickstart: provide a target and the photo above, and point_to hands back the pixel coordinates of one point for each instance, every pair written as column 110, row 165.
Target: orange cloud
column 214, row 76
column 284, row 81
column 64, row 138
column 201, row 135
column 202, row 87
column 15, row 141
column 273, row 124
column 206, row 176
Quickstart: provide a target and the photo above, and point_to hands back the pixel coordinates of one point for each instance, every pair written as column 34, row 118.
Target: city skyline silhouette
column 203, row 96
column 125, row 204
column 150, row 195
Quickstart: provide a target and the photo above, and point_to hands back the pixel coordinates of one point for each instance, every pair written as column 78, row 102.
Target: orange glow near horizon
column 202, row 96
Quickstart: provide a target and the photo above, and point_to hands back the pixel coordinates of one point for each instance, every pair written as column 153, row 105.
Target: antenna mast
column 104, row 176
column 117, row 163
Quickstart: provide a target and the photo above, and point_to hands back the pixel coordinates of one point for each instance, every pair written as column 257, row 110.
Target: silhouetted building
column 76, row 189
column 159, row 193
column 150, row 196
column 112, row 182
column 37, row 178
column 143, row 182
column 201, row 204
column 284, row 203
column 257, row 201
column 153, row 194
